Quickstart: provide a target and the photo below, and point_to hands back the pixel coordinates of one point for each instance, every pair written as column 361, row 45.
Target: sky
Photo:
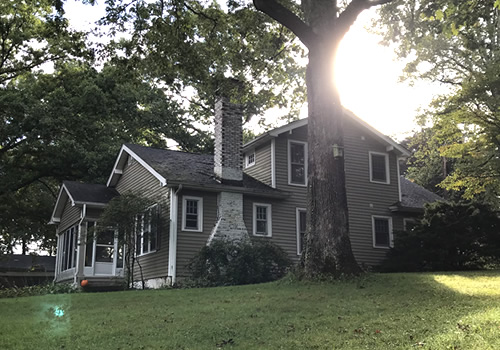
column 366, row 74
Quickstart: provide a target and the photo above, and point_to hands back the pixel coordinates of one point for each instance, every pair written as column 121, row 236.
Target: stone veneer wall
column 230, row 225
column 228, row 139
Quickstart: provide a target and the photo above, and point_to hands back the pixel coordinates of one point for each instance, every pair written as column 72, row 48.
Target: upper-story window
column 379, row 167
column 250, row 159
column 192, row 214
column 297, row 163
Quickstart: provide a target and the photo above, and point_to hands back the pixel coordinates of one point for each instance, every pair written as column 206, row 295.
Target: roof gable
column 129, row 150
column 79, row 194
column 391, row 145
column 191, row 170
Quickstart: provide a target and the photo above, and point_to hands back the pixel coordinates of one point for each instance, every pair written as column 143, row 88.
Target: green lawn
column 380, row 311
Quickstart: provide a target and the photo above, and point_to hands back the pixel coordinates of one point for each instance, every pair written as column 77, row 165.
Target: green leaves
column 33, row 33
column 189, row 48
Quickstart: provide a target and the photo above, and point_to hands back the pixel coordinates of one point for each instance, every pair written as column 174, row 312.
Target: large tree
column 194, row 45
column 69, row 125
column 320, row 26
column 456, row 43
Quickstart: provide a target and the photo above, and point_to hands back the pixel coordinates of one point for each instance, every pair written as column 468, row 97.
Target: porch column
column 80, row 252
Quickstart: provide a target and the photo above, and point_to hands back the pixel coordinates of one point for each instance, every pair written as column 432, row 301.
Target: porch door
column 105, row 253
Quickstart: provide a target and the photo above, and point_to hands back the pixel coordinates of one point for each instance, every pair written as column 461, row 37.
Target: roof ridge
column 166, row 149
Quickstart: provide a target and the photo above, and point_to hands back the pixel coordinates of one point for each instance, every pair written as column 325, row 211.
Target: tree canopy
column 457, row 44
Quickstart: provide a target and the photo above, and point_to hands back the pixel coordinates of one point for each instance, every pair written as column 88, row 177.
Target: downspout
column 273, row 163
column 399, row 177
column 79, row 249
column 58, row 250
column 172, row 249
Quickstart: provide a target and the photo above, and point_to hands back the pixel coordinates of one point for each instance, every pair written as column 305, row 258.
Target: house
column 18, row 270
column 257, row 190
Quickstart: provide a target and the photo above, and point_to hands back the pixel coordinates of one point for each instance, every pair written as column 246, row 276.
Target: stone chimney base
column 230, row 225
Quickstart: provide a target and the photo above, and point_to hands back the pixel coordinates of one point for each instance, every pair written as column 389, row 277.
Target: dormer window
column 250, row 159
column 297, row 163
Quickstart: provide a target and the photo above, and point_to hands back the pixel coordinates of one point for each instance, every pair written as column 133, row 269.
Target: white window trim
column 297, row 227
column 200, row 213
column 289, row 161
column 408, row 220
column 142, row 236
column 247, row 159
column 391, row 237
column 387, row 174
column 269, row 219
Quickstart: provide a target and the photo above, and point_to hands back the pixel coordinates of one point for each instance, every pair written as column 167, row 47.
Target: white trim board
column 118, row 167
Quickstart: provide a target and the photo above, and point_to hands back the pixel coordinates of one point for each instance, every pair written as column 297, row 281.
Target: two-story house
column 256, row 191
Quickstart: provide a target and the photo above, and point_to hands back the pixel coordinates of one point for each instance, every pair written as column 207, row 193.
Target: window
column 68, row 248
column 408, row 224
column 301, row 229
column 379, row 167
column 192, row 214
column 146, row 231
column 382, row 231
column 297, row 163
column 250, row 159
column 262, row 225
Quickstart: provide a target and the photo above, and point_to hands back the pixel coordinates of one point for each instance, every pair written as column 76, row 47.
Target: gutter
column 227, row 188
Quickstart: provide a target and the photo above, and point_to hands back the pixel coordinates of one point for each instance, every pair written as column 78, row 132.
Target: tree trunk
column 328, row 247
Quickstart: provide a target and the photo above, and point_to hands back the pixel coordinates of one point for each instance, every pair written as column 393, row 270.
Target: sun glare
column 367, row 74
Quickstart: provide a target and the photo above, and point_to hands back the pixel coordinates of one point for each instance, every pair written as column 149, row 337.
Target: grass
column 380, row 311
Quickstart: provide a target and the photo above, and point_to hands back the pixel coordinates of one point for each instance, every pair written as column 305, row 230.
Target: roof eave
column 226, row 188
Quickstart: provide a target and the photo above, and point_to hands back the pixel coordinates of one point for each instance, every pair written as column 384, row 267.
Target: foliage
column 228, row 263
column 427, row 166
column 388, row 311
column 121, row 214
column 450, row 236
column 191, row 47
column 69, row 126
column 34, row 33
column 42, row 289
column 456, row 43
column 24, row 215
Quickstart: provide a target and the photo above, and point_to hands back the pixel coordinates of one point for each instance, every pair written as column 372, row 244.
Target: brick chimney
column 228, row 169
column 228, row 140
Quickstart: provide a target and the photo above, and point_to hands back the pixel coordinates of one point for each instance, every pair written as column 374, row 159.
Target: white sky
column 366, row 74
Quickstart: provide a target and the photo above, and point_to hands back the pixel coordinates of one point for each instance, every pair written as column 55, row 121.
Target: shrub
column 450, row 236
column 41, row 289
column 227, row 263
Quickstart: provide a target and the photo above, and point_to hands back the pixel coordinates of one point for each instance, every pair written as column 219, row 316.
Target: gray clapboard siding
column 190, row 243
column 137, row 179
column 262, row 168
column 364, row 197
column 70, row 216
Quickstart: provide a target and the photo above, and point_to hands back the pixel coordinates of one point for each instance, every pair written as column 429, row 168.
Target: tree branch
column 287, row 18
column 352, row 11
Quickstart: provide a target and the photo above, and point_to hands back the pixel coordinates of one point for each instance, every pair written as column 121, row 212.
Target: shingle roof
column 415, row 196
column 90, row 193
column 14, row 262
column 193, row 169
